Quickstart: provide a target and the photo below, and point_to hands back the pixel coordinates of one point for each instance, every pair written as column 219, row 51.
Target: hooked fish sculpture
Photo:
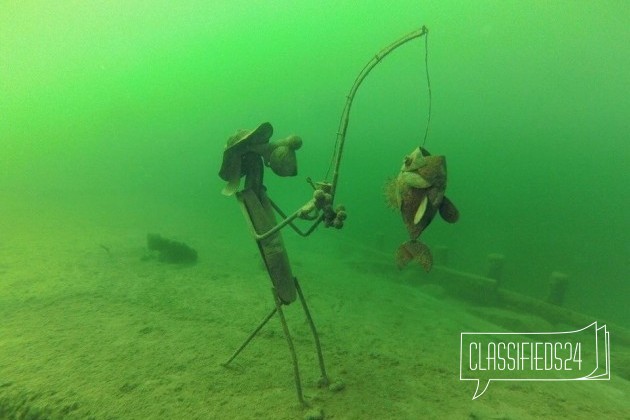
column 418, row 193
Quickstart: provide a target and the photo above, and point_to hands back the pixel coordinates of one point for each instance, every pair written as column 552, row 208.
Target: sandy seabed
column 91, row 329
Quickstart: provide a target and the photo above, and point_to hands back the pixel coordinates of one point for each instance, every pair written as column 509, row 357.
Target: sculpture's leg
column 251, row 336
column 324, row 379
column 287, row 334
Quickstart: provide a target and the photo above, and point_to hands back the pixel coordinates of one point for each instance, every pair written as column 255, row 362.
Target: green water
column 114, row 115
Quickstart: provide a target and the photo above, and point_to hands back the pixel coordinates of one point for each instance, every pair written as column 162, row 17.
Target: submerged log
column 485, row 291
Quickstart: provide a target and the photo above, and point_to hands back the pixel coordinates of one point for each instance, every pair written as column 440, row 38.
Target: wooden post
column 558, row 283
column 495, row 267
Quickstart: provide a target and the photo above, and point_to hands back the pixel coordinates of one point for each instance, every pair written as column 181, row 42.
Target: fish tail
column 414, row 250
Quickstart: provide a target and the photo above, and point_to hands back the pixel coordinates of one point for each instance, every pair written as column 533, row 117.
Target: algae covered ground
column 88, row 333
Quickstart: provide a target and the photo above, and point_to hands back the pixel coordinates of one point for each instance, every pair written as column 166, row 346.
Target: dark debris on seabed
column 169, row 251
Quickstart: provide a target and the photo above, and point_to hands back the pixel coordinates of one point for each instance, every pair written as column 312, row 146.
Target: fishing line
column 426, row 67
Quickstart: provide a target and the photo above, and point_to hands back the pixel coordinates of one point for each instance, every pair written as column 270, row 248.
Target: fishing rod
column 345, row 116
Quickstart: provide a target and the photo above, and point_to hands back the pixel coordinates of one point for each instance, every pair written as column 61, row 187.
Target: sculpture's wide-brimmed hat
column 236, row 146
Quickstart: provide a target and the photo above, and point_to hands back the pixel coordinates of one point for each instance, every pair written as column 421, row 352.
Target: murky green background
column 530, row 105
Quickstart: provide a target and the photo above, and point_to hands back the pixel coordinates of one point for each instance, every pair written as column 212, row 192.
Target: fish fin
column 448, row 211
column 414, row 251
column 414, row 180
column 403, row 256
column 392, row 195
column 422, row 208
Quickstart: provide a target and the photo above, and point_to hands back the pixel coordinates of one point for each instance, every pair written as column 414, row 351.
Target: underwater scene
column 314, row 209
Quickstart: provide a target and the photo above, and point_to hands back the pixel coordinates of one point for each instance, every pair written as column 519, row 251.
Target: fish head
column 413, row 161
